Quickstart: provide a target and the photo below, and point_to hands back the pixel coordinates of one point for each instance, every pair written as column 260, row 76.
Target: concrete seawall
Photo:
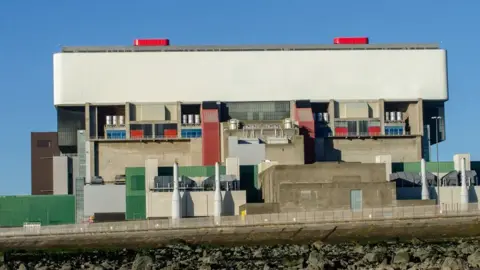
column 371, row 231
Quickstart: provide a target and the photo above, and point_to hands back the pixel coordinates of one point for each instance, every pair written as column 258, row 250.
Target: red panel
column 374, row 131
column 307, row 129
column 136, row 134
column 170, row 133
column 350, row 40
column 210, row 137
column 151, row 42
column 341, row 131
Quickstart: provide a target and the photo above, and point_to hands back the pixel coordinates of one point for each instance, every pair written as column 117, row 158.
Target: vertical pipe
column 176, row 194
column 463, row 191
column 425, row 194
column 218, row 195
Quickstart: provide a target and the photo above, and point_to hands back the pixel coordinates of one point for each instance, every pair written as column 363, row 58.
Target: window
column 44, row 143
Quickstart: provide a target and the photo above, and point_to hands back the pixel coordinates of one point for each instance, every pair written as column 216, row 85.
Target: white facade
column 119, row 77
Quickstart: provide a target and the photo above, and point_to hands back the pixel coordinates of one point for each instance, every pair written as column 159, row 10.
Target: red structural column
column 210, row 137
column 306, row 123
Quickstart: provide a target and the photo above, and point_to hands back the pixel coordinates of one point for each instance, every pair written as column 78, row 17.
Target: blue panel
column 356, row 200
column 116, row 134
column 398, row 130
column 191, row 133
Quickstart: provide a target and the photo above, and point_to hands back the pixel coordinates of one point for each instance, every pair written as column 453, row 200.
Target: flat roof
column 220, row 48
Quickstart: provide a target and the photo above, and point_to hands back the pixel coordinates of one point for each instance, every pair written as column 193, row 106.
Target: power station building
column 297, row 104
column 127, row 113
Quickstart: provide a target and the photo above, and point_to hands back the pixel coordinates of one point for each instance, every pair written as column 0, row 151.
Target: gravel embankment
column 414, row 255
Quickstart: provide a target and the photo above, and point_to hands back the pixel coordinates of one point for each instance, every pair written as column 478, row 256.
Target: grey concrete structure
column 324, row 186
column 450, row 198
column 62, row 167
column 104, row 199
column 194, row 203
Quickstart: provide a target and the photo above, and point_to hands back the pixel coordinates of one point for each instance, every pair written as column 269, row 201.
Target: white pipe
column 425, row 193
column 463, row 191
column 176, row 194
column 218, row 195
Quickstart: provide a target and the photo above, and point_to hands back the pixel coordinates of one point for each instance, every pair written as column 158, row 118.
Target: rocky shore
column 463, row 254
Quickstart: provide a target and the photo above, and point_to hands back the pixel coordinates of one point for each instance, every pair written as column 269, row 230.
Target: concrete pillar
column 387, row 160
column 457, row 160
column 423, row 173
column 87, row 120
column 217, row 204
column 464, row 190
column 60, row 175
column 332, row 115
column 151, row 171
column 419, row 119
column 127, row 119
column 381, row 111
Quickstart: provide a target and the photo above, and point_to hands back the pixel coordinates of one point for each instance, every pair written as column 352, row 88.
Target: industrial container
column 108, row 120
column 151, row 42
column 233, row 124
column 393, row 116
column 190, row 119
column 197, row 119
column 374, row 131
column 184, row 119
column 341, row 131
column 399, row 116
column 287, row 123
column 114, row 120
column 350, row 40
column 325, row 117
column 121, row 120
column 136, row 134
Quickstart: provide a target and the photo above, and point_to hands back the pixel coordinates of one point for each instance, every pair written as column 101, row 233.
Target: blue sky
column 31, row 31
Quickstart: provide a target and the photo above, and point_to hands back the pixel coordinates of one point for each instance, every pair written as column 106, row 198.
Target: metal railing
column 285, row 218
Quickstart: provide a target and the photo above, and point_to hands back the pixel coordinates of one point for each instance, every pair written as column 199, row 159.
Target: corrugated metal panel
column 79, row 199
column 269, row 110
column 68, row 122
column 444, row 167
column 48, row 210
column 135, row 181
column 210, row 143
column 136, row 207
column 210, row 116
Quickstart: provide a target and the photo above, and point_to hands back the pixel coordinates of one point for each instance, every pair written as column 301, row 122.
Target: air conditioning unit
column 97, row 180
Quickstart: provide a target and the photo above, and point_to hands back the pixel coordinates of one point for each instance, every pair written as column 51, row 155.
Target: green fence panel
column 136, row 207
column 46, row 209
column 135, row 181
column 444, row 167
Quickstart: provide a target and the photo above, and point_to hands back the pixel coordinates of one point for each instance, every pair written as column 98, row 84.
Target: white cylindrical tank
column 217, row 200
column 287, row 123
column 325, row 116
column 233, row 124
column 176, row 194
column 190, row 119
column 121, row 120
column 423, row 175
column 197, row 119
column 108, row 120
column 184, row 119
column 114, row 120
column 399, row 116
column 393, row 116
column 387, row 116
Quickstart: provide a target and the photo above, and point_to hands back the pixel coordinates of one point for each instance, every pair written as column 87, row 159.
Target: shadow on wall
column 249, row 183
column 188, row 207
column 472, row 195
column 308, row 146
column 228, row 204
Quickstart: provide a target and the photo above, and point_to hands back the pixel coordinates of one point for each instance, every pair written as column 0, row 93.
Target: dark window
column 44, row 143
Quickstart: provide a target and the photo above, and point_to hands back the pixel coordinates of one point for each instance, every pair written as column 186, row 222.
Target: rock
column 416, row 242
column 474, row 259
column 4, row 267
column 205, row 267
column 142, row 263
column 466, row 248
column 22, row 267
column 373, row 257
column 318, row 245
column 453, row 264
column 359, row 249
column 401, row 257
column 257, row 254
column 66, row 266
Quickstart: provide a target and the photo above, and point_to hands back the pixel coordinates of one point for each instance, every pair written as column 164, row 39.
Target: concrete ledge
column 371, row 231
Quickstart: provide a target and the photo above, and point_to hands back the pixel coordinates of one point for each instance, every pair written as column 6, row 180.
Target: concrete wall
column 104, row 199
column 288, row 154
column 298, row 197
column 199, row 203
column 115, row 156
column 259, row 208
column 61, row 168
column 278, row 183
column 247, row 153
column 365, row 150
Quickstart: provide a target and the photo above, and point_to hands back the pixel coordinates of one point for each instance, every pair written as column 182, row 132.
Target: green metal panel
column 136, row 207
column 46, row 209
column 135, row 181
column 444, row 166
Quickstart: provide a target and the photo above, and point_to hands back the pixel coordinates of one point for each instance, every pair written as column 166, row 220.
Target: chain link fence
column 310, row 217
